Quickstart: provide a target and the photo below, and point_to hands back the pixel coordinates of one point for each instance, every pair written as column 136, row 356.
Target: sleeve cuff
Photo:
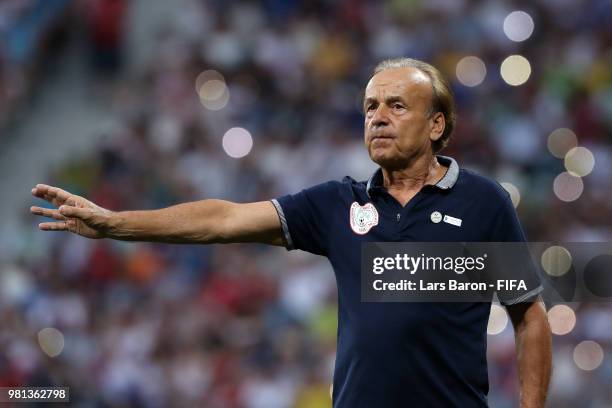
column 285, row 227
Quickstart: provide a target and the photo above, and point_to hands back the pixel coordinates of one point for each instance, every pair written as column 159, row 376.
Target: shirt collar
column 445, row 183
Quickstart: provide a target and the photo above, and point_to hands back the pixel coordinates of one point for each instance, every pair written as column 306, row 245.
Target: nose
column 380, row 117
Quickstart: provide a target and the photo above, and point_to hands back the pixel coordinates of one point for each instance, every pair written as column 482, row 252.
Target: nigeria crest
column 363, row 218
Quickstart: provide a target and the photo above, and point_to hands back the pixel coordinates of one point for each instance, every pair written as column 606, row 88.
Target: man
column 389, row 354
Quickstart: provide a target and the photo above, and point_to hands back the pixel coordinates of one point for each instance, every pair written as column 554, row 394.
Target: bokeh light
column 471, row 71
column 561, row 141
column 498, row 320
column 237, row 142
column 212, row 90
column 514, row 192
column 562, row 319
column 579, row 161
column 518, row 26
column 567, row 187
column 588, row 355
column 214, row 94
column 556, row 260
column 206, row 76
column 515, row 70
column 51, row 341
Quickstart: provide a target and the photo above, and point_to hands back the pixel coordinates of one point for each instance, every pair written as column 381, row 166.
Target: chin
column 385, row 160
column 389, row 161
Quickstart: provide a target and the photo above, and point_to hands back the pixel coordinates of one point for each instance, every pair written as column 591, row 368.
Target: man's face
column 398, row 123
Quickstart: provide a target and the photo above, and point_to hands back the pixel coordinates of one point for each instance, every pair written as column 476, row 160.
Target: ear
column 437, row 126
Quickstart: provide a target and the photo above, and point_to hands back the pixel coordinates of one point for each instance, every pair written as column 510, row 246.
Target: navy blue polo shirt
column 403, row 354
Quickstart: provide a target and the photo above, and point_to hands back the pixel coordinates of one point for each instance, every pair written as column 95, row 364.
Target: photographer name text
column 451, row 285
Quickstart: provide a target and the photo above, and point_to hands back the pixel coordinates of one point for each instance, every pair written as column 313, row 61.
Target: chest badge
column 363, row 218
column 436, row 217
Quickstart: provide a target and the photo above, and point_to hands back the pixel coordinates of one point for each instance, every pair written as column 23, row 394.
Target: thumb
column 75, row 212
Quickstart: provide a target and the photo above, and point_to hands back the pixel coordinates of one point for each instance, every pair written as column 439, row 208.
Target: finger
column 45, row 192
column 40, row 190
column 53, row 226
column 58, row 194
column 55, row 195
column 47, row 212
column 75, row 212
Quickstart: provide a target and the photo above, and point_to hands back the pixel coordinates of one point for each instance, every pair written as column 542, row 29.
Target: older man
column 389, row 354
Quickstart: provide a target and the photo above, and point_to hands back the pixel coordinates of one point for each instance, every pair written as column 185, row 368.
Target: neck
column 424, row 170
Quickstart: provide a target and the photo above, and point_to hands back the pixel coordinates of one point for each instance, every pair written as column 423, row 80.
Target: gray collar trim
column 452, row 174
column 445, row 183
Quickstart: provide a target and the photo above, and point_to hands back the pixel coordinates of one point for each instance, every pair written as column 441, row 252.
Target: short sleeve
column 306, row 217
column 518, row 264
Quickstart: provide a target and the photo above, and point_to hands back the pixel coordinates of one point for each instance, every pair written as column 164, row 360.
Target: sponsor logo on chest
column 436, row 217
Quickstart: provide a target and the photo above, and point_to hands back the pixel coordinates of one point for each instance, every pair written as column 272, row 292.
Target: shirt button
column 398, row 217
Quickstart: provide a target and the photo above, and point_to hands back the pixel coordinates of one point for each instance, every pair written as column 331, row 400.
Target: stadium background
column 116, row 100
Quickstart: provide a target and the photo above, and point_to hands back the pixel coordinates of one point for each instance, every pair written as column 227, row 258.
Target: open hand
column 74, row 213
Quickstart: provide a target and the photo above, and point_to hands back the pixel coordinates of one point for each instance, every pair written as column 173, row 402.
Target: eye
column 370, row 107
column 397, row 105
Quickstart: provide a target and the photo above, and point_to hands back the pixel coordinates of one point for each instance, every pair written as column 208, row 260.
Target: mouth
column 381, row 137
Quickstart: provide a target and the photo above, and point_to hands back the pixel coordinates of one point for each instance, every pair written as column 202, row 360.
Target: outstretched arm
column 205, row 221
column 534, row 349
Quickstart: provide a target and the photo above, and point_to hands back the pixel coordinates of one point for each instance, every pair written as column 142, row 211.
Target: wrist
column 114, row 220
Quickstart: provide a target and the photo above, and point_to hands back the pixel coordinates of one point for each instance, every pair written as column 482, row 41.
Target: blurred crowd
column 29, row 29
column 249, row 326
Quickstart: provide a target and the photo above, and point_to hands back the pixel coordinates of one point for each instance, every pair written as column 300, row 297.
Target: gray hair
column 442, row 101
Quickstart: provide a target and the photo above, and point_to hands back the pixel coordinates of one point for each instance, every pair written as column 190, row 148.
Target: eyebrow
column 388, row 100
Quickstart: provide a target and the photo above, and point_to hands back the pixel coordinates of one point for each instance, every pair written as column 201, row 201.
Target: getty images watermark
column 479, row 271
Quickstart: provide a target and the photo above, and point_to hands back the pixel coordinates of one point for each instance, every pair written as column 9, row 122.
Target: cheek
column 366, row 124
column 413, row 128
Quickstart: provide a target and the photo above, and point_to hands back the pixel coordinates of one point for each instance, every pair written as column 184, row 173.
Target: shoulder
column 493, row 207
column 335, row 191
column 319, row 194
column 477, row 185
column 330, row 187
column 326, row 191
column 349, row 182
